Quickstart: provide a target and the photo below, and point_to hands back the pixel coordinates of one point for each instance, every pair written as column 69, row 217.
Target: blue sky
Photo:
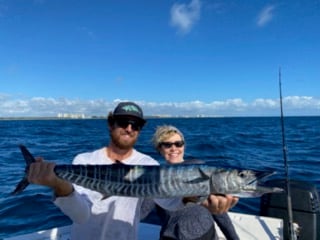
column 193, row 57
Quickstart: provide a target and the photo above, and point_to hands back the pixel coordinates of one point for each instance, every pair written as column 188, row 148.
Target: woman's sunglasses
column 124, row 122
column 178, row 144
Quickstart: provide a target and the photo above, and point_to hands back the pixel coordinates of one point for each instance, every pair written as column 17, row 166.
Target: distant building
column 71, row 115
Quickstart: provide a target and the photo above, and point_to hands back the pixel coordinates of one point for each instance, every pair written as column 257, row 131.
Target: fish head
column 255, row 185
column 241, row 183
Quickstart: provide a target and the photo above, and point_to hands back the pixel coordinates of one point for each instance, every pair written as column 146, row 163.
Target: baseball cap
column 129, row 109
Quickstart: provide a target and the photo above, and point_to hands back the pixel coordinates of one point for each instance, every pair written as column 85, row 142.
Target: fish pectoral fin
column 203, row 174
column 203, row 177
column 196, row 180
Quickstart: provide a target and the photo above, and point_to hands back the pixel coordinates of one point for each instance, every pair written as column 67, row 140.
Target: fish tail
column 29, row 159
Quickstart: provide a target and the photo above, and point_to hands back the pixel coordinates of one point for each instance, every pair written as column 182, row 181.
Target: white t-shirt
column 114, row 218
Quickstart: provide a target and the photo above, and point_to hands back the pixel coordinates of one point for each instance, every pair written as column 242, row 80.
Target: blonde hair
column 164, row 132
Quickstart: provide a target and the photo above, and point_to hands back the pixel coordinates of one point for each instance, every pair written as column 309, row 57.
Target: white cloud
column 265, row 16
column 266, row 103
column 297, row 102
column 184, row 16
column 50, row 107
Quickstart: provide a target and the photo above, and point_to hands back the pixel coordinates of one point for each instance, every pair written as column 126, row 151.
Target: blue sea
column 253, row 143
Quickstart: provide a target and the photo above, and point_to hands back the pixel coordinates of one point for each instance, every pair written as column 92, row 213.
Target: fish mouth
column 256, row 187
column 259, row 176
column 257, row 190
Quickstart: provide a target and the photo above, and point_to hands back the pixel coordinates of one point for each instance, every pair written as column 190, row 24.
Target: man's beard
column 124, row 145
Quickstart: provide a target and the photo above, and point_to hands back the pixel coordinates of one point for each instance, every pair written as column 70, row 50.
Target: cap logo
column 131, row 108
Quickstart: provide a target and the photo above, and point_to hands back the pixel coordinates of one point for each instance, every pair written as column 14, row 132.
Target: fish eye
column 242, row 174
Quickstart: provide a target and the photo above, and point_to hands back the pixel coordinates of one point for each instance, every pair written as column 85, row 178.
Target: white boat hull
column 247, row 226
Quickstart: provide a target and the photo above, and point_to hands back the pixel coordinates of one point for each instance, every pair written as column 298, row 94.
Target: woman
column 194, row 221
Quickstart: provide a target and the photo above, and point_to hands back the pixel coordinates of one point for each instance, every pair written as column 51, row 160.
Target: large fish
column 161, row 181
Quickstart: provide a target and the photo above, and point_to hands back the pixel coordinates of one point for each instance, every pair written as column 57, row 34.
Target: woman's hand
column 218, row 204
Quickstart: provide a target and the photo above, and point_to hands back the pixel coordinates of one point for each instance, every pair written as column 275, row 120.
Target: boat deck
column 247, row 226
column 255, row 227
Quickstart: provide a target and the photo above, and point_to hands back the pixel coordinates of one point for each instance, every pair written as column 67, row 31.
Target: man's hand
column 42, row 172
column 218, row 204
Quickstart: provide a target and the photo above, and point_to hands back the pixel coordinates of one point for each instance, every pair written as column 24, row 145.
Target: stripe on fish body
column 160, row 181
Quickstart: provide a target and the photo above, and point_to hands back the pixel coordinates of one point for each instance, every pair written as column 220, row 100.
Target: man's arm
column 71, row 203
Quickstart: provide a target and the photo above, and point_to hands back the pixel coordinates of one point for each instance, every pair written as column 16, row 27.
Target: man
column 94, row 217
column 114, row 217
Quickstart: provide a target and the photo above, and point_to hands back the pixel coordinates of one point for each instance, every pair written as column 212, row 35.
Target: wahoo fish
column 159, row 181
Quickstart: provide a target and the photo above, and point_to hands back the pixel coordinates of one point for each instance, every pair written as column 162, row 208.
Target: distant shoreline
column 47, row 118
column 147, row 117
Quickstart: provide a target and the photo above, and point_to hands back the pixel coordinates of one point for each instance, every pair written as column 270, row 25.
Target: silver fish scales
column 138, row 181
column 162, row 181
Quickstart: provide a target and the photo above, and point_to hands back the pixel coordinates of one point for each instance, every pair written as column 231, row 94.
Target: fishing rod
column 292, row 234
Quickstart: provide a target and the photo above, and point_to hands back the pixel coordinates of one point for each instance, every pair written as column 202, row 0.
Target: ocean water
column 253, row 143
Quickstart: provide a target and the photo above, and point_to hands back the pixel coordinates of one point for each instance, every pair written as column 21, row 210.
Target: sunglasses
column 178, row 144
column 124, row 123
